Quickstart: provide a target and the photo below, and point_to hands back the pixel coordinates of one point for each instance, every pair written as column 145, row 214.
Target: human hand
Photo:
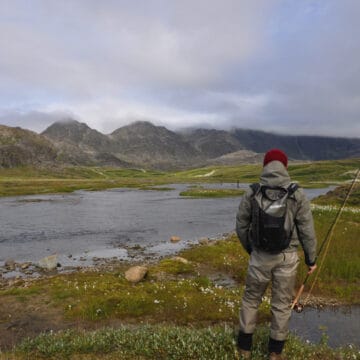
column 312, row 269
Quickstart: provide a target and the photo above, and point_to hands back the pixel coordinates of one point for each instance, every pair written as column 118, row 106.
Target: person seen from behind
column 274, row 217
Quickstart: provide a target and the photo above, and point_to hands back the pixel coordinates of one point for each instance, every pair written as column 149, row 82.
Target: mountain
column 77, row 143
column 73, row 132
column 237, row 157
column 299, row 147
column 19, row 147
column 155, row 146
column 212, row 143
column 145, row 145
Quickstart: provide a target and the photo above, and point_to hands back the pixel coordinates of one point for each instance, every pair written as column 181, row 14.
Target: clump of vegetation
column 201, row 192
column 337, row 196
column 174, row 267
column 166, row 342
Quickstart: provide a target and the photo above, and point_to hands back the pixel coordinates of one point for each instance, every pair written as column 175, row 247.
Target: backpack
column 268, row 217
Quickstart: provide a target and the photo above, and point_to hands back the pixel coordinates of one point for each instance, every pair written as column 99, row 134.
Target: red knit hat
column 275, row 154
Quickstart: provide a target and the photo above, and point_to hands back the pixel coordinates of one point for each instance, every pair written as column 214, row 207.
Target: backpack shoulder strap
column 255, row 187
column 292, row 188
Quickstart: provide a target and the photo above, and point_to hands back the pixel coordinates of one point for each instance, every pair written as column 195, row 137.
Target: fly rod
column 295, row 305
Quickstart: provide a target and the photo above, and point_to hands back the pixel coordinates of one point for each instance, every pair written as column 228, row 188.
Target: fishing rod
column 295, row 304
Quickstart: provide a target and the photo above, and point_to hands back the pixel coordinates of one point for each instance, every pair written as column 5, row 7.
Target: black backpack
column 267, row 224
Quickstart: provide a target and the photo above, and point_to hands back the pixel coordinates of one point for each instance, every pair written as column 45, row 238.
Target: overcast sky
column 287, row 66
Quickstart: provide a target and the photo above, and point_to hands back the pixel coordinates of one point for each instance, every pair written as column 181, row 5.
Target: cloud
column 269, row 64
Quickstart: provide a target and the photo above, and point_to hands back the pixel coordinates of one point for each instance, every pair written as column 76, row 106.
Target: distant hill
column 143, row 144
column 19, row 147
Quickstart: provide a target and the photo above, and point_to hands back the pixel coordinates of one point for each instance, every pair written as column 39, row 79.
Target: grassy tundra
column 22, row 181
column 183, row 309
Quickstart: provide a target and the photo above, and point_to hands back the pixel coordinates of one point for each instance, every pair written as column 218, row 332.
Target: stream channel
column 132, row 224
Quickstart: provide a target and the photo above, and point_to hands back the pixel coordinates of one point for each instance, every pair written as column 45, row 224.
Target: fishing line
column 295, row 304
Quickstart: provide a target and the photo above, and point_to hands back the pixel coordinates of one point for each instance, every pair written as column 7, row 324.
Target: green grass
column 226, row 256
column 200, row 192
column 312, row 174
column 28, row 180
column 174, row 267
column 337, row 196
column 166, row 342
column 93, row 297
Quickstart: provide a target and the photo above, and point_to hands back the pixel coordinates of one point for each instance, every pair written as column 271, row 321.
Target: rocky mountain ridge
column 19, row 147
column 142, row 144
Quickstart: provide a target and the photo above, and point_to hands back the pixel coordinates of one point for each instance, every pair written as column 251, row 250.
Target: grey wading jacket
column 298, row 219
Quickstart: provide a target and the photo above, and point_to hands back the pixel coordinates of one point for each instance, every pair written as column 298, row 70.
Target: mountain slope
column 299, row 147
column 145, row 143
column 212, row 143
column 19, row 147
column 78, row 144
column 73, row 132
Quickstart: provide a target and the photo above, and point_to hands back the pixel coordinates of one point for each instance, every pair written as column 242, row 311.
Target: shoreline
column 21, row 278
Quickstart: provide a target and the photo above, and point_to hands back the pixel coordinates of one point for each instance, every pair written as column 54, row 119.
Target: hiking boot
column 244, row 354
column 275, row 356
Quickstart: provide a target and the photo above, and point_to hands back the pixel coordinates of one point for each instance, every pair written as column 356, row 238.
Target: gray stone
column 180, row 259
column 204, row 241
column 25, row 265
column 49, row 262
column 136, row 273
column 10, row 264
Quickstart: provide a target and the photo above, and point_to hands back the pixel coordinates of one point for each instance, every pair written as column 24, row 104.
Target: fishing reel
column 298, row 307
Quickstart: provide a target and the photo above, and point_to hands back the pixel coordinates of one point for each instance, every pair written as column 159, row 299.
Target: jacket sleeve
column 243, row 221
column 305, row 228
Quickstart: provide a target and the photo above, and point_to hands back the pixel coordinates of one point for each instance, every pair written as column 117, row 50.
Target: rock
column 180, row 259
column 136, row 273
column 25, row 265
column 175, row 239
column 204, row 241
column 49, row 262
column 10, row 264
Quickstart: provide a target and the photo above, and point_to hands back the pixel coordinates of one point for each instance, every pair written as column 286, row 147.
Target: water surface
column 104, row 223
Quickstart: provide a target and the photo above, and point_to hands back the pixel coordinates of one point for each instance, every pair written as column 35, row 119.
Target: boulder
column 180, row 259
column 204, row 241
column 49, row 262
column 10, row 264
column 136, row 274
column 25, row 265
column 175, row 239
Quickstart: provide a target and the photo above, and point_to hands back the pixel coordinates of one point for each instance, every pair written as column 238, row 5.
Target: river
column 105, row 224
